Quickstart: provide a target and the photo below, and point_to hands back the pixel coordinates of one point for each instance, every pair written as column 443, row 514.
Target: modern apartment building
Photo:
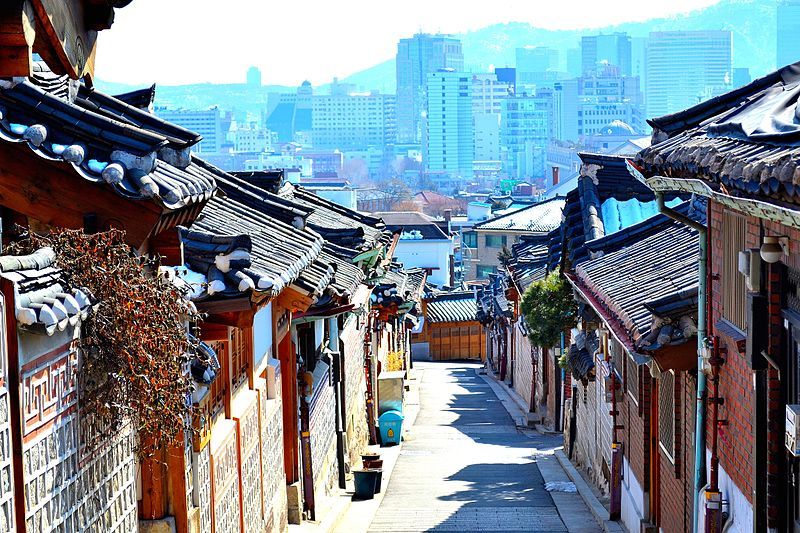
column 449, row 147
column 684, row 67
column 605, row 96
column 211, row 123
column 600, row 50
column 536, row 65
column 417, row 57
column 488, row 94
column 788, row 46
column 352, row 121
column 527, row 125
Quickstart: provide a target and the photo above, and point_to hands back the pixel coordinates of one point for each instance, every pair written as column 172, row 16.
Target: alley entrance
column 466, row 467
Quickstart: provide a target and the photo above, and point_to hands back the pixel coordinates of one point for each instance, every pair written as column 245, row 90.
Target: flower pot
column 378, row 478
column 373, row 463
column 365, row 481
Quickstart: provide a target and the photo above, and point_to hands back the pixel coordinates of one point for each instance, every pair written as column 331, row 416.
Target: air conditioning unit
column 793, row 429
column 750, row 268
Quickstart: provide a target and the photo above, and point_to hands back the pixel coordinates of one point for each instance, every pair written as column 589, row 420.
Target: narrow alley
column 466, row 467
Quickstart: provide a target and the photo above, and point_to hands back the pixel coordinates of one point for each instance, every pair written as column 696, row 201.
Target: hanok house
column 497, row 314
column 76, row 158
column 740, row 151
column 495, row 234
column 451, row 329
column 533, row 369
column 632, row 270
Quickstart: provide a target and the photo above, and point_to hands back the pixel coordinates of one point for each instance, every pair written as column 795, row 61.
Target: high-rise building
column 605, row 96
column 488, row 94
column 352, row 121
column 788, row 23
column 290, row 118
column 210, row 123
column 254, row 77
column 417, row 57
column 507, row 75
column 527, row 126
column 535, row 64
column 685, row 67
column 612, row 49
column 449, row 146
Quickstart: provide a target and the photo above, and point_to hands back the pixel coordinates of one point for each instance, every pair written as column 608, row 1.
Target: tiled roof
column 539, row 218
column 45, row 302
column 105, row 140
column 652, row 263
column 278, row 253
column 529, row 260
column 747, row 140
column 338, row 224
column 458, row 306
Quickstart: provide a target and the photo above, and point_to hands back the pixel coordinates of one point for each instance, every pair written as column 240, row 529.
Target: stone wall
column 355, row 387
column 593, row 430
column 7, row 519
column 224, row 476
column 523, row 365
column 322, row 423
column 273, row 476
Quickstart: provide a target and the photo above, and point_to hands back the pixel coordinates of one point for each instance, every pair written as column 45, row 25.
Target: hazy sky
column 189, row 41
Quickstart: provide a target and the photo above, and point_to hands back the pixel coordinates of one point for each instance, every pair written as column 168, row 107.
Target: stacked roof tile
column 105, row 140
column 456, row 306
column 540, row 218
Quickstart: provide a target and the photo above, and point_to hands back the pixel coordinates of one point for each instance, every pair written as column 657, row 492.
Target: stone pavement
column 468, row 467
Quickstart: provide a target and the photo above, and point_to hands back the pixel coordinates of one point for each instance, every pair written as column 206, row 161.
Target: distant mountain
column 751, row 21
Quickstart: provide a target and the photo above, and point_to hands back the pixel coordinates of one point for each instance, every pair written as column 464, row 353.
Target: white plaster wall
column 632, row 498
column 739, row 509
column 434, row 254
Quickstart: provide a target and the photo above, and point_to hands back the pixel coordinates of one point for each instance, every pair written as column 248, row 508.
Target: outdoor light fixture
column 774, row 248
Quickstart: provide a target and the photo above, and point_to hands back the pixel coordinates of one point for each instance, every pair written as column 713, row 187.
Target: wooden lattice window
column 219, row 385
column 240, row 356
column 734, row 228
column 667, row 413
column 632, row 378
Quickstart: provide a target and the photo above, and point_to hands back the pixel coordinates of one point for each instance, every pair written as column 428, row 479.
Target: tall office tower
column 254, row 77
column 507, row 75
column 686, row 67
column 574, row 62
column 606, row 96
column 613, row 49
column 352, row 121
column 449, row 146
column 417, row 57
column 788, row 32
column 488, row 94
column 526, row 129
column 534, row 63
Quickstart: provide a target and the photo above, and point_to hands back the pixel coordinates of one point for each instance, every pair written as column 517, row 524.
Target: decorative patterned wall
column 202, row 487
column 323, row 431
column 6, row 475
column 355, row 387
column 225, row 477
column 69, row 486
column 274, row 479
column 246, row 413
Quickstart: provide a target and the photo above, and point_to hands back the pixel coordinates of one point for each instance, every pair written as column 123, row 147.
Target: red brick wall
column 636, row 432
column 677, row 477
column 736, row 382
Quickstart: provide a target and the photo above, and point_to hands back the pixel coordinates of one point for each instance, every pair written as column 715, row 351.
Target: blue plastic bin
column 390, row 425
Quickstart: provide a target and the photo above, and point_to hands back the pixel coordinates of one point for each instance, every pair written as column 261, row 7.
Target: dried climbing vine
column 134, row 345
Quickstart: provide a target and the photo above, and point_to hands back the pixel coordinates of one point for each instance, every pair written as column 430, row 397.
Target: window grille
column 793, row 289
column 239, row 357
column 219, row 384
column 632, row 378
column 667, row 413
column 734, row 227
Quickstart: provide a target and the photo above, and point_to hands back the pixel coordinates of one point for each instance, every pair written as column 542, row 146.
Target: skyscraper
column 613, row 49
column 488, row 94
column 417, row 57
column 254, row 77
column 527, row 126
column 449, row 140
column 686, row 67
column 534, row 63
column 788, row 24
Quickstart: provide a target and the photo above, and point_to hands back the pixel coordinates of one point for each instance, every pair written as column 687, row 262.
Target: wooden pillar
column 288, row 359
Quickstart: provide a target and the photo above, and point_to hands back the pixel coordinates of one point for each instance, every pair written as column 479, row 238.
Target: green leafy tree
column 549, row 308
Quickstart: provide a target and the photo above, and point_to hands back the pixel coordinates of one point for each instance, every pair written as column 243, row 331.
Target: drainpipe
column 338, row 372
column 700, row 409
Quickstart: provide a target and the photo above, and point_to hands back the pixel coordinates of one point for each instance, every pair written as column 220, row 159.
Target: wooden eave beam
column 17, row 35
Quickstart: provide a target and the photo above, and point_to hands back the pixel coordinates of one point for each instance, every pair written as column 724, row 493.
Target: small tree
column 549, row 308
column 504, row 256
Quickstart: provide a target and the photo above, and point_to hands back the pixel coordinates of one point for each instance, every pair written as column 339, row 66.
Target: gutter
column 702, row 333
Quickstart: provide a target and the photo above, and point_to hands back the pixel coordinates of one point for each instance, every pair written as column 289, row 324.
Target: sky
column 194, row 41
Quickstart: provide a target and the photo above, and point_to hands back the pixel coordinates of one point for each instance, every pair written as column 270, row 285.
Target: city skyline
column 344, row 36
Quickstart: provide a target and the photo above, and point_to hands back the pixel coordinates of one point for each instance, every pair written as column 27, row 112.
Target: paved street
column 465, row 467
